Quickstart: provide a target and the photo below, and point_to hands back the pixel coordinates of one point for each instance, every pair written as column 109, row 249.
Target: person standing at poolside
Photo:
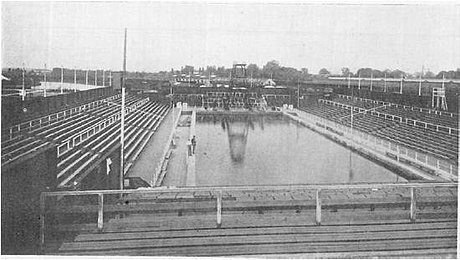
column 193, row 144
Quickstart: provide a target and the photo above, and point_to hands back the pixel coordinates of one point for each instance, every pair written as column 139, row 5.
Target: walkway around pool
column 152, row 155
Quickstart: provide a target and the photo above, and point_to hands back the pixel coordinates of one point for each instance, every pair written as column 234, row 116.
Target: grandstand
column 427, row 132
column 66, row 158
column 83, row 133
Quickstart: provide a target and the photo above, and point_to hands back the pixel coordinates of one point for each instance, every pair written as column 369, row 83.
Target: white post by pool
column 100, row 212
column 413, row 205
column 86, row 77
column 95, row 77
column 103, row 78
column 219, row 209
column 318, row 207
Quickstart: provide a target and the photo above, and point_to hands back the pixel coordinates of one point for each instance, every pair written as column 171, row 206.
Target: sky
column 165, row 35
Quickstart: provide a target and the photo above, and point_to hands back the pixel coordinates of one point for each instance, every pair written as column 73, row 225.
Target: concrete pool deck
column 153, row 153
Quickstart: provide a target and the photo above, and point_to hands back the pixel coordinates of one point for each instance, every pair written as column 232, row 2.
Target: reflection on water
column 245, row 149
column 237, row 131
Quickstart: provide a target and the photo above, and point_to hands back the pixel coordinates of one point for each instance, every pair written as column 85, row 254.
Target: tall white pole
column 103, row 78
column 110, row 78
column 23, row 82
column 62, row 78
column 95, row 77
column 122, row 139
column 44, row 76
column 86, row 77
column 75, row 79
column 122, row 128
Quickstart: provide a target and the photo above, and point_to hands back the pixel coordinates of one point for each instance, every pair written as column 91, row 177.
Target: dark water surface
column 269, row 150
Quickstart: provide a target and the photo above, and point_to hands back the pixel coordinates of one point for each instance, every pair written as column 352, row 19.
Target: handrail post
column 219, row 209
column 318, row 207
column 100, row 212
column 42, row 222
column 413, row 205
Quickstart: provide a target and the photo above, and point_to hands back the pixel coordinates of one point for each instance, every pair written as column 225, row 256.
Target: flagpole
column 122, row 128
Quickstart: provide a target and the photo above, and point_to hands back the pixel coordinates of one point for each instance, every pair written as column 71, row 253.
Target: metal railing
column 16, row 130
column 413, row 122
column 385, row 147
column 76, row 139
column 412, row 108
column 218, row 191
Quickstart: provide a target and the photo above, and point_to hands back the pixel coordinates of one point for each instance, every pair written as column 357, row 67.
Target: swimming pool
column 251, row 149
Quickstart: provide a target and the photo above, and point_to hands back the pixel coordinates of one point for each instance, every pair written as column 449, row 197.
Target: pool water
column 273, row 149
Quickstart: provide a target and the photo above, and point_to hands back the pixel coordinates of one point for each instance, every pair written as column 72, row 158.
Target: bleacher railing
column 216, row 192
column 16, row 130
column 430, row 111
column 401, row 153
column 73, row 141
column 412, row 122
